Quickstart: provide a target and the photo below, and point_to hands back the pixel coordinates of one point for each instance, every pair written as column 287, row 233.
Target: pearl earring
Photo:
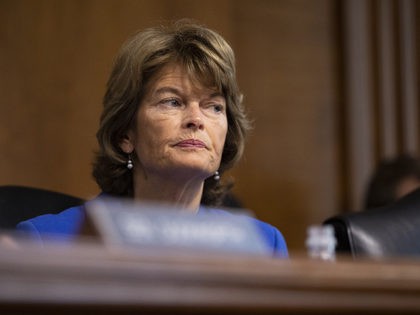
column 129, row 163
column 216, row 176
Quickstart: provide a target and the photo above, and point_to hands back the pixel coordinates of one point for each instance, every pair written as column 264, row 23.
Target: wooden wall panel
column 286, row 58
column 55, row 61
column 409, row 77
column 359, row 90
column 56, row 55
column 381, row 94
column 387, row 69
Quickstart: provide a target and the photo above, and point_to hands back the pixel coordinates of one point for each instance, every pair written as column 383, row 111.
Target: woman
column 173, row 122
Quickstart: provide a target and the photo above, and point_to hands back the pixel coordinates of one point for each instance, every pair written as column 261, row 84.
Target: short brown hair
column 206, row 56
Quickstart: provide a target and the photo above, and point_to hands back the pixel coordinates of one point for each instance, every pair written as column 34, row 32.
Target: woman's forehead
column 179, row 74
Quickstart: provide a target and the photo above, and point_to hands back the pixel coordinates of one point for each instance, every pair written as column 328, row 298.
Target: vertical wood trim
column 408, row 77
column 387, row 82
column 358, row 88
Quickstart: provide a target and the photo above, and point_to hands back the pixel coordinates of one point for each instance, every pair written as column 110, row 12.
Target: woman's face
column 181, row 127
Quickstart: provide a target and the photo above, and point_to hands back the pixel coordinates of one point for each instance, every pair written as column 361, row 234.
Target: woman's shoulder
column 65, row 224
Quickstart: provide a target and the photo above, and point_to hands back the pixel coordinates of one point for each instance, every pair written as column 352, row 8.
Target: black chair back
column 19, row 203
column 391, row 231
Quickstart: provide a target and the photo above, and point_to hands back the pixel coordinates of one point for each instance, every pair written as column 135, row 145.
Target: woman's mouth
column 191, row 143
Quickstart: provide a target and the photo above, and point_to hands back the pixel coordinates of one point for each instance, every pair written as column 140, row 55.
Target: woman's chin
column 191, row 170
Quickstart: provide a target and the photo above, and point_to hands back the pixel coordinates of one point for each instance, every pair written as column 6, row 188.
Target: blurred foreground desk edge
column 87, row 279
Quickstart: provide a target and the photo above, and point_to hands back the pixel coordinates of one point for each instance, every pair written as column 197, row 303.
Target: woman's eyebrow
column 216, row 94
column 166, row 89
column 174, row 90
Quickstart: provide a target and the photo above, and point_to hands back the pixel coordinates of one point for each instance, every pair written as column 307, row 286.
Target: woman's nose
column 193, row 117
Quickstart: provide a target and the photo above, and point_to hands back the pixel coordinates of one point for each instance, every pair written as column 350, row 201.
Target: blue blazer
column 66, row 226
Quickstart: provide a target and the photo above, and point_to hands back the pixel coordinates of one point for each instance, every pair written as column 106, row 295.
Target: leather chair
column 391, row 231
column 19, row 203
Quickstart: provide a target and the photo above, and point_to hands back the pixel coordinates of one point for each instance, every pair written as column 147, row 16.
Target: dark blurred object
column 231, row 201
column 391, row 231
column 19, row 203
column 392, row 179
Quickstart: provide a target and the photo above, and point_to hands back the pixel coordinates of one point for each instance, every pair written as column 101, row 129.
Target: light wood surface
column 88, row 279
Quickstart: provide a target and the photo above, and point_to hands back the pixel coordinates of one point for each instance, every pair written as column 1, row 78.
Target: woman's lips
column 191, row 143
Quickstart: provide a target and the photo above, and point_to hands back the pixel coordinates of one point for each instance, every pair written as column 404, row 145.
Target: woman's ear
column 127, row 142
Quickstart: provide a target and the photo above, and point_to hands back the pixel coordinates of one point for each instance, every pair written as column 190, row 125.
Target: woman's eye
column 218, row 108
column 171, row 102
column 215, row 108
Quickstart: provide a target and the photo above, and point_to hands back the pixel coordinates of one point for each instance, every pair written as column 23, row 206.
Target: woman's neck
column 185, row 194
